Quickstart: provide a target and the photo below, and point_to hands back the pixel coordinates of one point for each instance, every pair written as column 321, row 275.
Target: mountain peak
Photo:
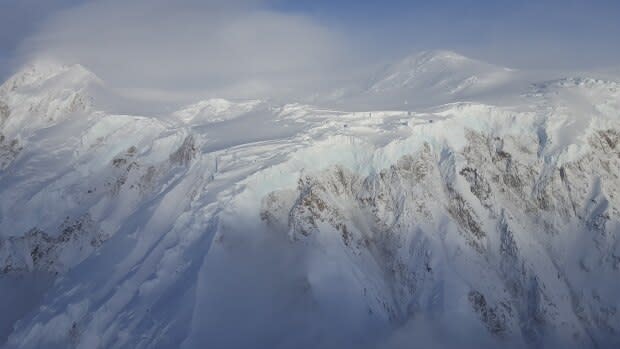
column 441, row 60
column 45, row 93
column 444, row 55
column 216, row 110
column 444, row 72
column 40, row 72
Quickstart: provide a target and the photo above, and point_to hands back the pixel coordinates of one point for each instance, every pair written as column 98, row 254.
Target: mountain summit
column 443, row 71
column 428, row 78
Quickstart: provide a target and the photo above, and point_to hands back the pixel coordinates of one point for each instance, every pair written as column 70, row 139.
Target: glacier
column 444, row 202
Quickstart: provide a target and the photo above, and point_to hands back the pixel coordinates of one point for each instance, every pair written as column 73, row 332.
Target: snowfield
column 446, row 202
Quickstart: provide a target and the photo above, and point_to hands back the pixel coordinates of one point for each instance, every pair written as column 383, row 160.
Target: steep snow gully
column 489, row 218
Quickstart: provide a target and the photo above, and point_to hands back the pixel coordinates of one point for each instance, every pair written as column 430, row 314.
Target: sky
column 255, row 48
column 519, row 33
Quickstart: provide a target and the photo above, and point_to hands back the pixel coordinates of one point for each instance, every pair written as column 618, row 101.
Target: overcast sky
column 257, row 47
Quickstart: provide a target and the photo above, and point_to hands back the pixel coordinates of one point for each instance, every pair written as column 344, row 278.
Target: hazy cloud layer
column 231, row 49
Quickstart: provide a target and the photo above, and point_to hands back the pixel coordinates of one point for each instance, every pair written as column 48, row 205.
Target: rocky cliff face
column 540, row 236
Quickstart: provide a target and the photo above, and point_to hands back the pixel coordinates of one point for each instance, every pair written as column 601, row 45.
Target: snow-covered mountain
column 217, row 110
column 243, row 224
column 429, row 78
column 442, row 71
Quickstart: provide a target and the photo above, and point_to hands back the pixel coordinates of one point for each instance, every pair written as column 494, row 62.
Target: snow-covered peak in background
column 39, row 73
column 444, row 71
column 425, row 79
column 216, row 110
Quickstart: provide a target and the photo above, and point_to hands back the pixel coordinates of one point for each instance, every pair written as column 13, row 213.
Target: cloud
column 230, row 49
column 20, row 18
column 188, row 49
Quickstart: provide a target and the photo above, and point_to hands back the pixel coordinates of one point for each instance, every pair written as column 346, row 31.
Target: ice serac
column 468, row 224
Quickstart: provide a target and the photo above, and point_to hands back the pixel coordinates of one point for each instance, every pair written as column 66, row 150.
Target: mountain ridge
column 493, row 221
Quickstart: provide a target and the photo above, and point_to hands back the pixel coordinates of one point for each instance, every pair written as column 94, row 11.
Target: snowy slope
column 244, row 224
